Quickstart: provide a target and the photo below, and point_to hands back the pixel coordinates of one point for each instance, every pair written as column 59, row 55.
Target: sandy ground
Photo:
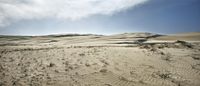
column 130, row 59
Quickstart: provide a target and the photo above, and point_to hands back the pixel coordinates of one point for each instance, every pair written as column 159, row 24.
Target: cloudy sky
column 41, row 17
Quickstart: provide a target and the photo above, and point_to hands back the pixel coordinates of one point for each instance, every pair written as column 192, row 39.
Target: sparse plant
column 104, row 61
column 179, row 41
column 167, row 57
column 53, row 41
column 165, row 75
column 162, row 75
column 153, row 49
column 142, row 82
column 184, row 43
column 87, row 65
column 51, row 65
column 196, row 56
column 103, row 70
column 140, row 41
column 81, row 54
column 123, row 78
column 196, row 67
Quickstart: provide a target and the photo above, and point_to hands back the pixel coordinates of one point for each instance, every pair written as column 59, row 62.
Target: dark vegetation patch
column 15, row 38
column 141, row 42
column 82, row 54
column 196, row 67
column 27, row 49
column 183, row 43
column 96, row 37
column 196, row 56
column 124, row 43
column 154, row 36
column 176, row 44
column 103, row 70
column 53, row 41
column 167, row 75
column 13, row 44
column 51, row 65
column 167, row 57
column 164, row 75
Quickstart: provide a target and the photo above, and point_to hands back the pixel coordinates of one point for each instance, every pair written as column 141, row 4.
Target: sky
column 43, row 17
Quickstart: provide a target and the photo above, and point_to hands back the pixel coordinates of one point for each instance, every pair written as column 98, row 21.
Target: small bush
column 103, row 70
column 53, row 41
column 167, row 57
column 184, row 44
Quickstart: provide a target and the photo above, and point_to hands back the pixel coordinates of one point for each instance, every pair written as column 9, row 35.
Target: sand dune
column 195, row 36
column 130, row 59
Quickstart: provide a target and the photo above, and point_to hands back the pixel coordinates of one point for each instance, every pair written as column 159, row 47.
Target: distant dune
column 195, row 36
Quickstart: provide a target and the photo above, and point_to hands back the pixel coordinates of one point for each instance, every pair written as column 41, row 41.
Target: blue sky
column 156, row 16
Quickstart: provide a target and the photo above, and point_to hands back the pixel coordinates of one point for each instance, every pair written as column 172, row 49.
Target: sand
column 130, row 59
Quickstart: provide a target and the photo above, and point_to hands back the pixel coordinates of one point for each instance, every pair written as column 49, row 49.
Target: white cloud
column 15, row 10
